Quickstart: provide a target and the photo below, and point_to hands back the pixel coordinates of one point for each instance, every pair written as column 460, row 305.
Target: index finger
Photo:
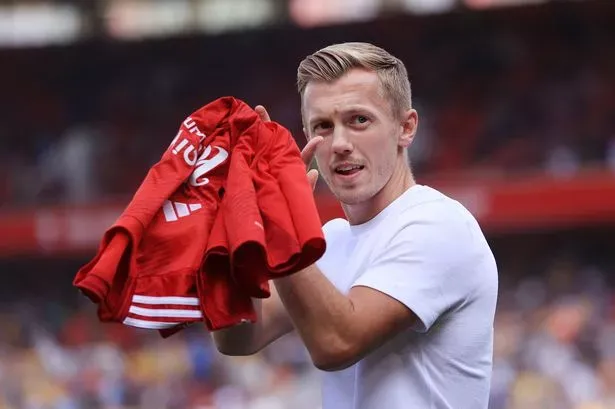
column 262, row 113
column 307, row 154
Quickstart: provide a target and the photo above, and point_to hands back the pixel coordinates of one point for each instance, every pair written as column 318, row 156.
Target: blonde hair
column 330, row 63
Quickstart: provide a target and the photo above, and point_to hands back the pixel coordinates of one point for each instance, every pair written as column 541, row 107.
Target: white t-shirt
column 427, row 251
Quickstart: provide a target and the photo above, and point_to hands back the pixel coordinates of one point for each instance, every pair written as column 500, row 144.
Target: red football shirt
column 227, row 208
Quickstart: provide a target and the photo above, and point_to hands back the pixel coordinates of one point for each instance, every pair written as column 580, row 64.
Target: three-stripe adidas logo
column 175, row 210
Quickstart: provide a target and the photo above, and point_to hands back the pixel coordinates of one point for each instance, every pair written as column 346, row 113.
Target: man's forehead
column 358, row 87
column 355, row 79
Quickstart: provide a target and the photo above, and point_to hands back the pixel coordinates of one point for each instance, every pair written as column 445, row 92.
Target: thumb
column 312, row 177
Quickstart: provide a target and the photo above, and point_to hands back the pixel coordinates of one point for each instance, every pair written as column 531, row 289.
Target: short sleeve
column 421, row 267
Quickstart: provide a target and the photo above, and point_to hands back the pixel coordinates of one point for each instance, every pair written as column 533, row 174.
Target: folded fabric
column 227, row 208
column 267, row 225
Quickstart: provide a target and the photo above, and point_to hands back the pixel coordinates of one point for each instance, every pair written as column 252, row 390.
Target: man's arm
column 339, row 330
column 247, row 339
column 414, row 279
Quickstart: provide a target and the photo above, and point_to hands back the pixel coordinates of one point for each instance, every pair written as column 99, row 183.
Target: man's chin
column 349, row 196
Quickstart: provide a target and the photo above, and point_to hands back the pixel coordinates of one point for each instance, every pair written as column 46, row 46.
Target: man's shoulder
column 427, row 204
column 434, row 221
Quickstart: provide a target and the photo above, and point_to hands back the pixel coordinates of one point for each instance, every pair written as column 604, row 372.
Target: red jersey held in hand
column 227, row 208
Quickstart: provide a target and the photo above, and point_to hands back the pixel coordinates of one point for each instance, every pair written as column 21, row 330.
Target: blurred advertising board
column 501, row 206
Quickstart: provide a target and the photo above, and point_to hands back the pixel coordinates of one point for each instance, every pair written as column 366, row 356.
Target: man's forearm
column 245, row 339
column 242, row 339
column 322, row 315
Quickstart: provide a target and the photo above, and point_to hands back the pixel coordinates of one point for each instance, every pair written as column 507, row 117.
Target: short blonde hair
column 330, row 63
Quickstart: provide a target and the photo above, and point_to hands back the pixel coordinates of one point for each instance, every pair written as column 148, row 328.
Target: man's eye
column 361, row 119
column 321, row 126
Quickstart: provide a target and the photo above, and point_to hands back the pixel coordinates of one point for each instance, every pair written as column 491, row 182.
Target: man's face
column 362, row 138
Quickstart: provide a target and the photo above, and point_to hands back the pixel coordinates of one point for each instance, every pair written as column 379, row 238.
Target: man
column 399, row 310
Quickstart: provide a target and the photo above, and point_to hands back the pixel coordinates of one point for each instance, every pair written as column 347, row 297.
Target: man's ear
column 409, row 124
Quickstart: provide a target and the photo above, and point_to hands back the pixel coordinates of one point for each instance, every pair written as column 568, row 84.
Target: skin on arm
column 247, row 339
column 340, row 330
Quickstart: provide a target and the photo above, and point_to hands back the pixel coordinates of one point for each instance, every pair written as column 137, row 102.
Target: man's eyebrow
column 316, row 119
column 345, row 110
column 352, row 109
column 356, row 108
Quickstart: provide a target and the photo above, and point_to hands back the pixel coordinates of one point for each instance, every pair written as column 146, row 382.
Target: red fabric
column 209, row 233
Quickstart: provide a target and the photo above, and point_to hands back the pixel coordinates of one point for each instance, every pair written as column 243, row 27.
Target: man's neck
column 400, row 181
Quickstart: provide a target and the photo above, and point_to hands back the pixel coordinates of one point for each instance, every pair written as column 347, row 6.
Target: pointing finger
column 262, row 113
column 307, row 154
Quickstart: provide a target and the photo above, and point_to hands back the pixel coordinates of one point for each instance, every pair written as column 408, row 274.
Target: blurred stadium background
column 517, row 107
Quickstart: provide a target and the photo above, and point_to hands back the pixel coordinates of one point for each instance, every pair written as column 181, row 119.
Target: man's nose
column 341, row 143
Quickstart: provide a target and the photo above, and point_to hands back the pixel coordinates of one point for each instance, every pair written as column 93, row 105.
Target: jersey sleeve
column 421, row 267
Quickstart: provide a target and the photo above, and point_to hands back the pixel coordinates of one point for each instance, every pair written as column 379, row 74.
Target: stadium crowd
column 509, row 93
column 554, row 345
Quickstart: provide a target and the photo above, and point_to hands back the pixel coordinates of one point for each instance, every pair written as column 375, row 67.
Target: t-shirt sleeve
column 420, row 267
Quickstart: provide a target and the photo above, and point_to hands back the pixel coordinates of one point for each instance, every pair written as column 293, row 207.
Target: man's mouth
column 347, row 170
